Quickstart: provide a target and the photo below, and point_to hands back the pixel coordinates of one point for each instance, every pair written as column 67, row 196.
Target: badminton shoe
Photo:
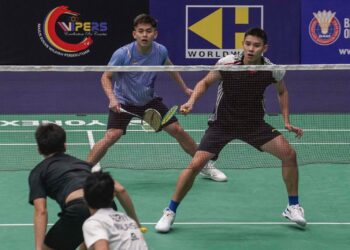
column 211, row 172
column 164, row 224
column 295, row 213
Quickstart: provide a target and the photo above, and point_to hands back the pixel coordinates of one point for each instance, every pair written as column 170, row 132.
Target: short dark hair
column 258, row 32
column 99, row 190
column 50, row 139
column 144, row 18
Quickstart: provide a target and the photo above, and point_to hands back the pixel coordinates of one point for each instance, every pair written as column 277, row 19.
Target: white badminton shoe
column 295, row 213
column 211, row 172
column 164, row 224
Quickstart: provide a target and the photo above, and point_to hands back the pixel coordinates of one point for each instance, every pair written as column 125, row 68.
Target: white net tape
column 58, row 68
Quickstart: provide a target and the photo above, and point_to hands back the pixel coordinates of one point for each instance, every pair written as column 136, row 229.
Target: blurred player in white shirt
column 107, row 228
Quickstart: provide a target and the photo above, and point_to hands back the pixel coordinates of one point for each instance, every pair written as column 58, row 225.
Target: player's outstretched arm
column 40, row 221
column 126, row 202
column 178, row 79
column 298, row 131
column 284, row 106
column 106, row 81
column 199, row 90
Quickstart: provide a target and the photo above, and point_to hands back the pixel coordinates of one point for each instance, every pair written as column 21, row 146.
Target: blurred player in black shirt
column 61, row 177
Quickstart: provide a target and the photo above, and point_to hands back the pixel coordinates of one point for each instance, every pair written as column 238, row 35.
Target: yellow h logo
column 241, row 17
column 222, row 26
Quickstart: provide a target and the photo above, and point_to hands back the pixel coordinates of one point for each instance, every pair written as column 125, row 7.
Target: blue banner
column 202, row 31
column 325, row 32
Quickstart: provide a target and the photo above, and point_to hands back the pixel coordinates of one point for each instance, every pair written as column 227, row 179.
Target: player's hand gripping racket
column 151, row 120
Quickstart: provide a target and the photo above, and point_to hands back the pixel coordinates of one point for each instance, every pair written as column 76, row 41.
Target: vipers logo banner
column 214, row 31
column 65, row 33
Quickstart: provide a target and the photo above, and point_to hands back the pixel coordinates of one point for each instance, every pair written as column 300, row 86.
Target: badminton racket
column 172, row 111
column 151, row 120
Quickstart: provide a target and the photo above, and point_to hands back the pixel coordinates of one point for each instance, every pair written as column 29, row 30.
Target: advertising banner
column 65, row 32
column 202, row 31
column 325, row 32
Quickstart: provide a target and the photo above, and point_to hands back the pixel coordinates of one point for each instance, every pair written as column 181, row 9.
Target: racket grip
column 184, row 111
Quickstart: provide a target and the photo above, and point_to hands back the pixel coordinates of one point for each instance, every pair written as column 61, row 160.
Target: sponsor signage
column 325, row 31
column 72, row 123
column 214, row 31
column 65, row 32
column 202, row 31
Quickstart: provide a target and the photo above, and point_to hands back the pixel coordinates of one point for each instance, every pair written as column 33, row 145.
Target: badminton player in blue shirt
column 134, row 92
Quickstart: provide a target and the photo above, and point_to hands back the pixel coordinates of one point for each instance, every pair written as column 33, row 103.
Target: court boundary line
column 203, row 223
column 91, row 143
column 173, row 143
column 189, row 130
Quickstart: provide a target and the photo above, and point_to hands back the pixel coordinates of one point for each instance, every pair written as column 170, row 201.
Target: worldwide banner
column 202, row 31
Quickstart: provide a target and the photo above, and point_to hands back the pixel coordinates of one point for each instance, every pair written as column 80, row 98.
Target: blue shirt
column 136, row 88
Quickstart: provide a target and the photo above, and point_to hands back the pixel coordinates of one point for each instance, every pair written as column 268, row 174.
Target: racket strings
column 153, row 119
column 172, row 111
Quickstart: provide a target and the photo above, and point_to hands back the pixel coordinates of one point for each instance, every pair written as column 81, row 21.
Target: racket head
column 172, row 111
column 153, row 118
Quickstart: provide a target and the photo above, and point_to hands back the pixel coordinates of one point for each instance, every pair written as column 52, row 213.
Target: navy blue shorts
column 67, row 232
column 121, row 120
column 256, row 135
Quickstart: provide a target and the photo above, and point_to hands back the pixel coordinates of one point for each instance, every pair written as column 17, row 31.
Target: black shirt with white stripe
column 241, row 93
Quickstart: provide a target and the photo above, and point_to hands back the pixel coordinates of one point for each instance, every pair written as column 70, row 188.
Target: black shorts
column 256, row 135
column 67, row 233
column 121, row 120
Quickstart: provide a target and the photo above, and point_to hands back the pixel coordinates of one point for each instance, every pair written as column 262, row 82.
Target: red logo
column 64, row 32
column 324, row 28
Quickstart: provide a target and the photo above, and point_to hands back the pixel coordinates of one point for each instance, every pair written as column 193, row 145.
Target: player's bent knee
column 194, row 170
column 174, row 129
column 112, row 136
column 290, row 155
column 196, row 165
column 178, row 130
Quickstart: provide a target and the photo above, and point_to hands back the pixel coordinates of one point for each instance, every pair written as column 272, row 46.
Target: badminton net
column 72, row 96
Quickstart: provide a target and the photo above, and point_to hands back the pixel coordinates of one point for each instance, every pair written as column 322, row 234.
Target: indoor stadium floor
column 243, row 213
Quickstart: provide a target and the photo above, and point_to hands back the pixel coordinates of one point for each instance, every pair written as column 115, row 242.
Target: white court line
column 188, row 130
column 90, row 138
column 34, row 144
column 207, row 223
column 92, row 143
column 174, row 143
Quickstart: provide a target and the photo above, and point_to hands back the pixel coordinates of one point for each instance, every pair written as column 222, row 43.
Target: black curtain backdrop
column 20, row 43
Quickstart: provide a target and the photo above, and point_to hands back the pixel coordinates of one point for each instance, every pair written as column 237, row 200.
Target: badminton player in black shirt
column 61, row 177
column 239, row 114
